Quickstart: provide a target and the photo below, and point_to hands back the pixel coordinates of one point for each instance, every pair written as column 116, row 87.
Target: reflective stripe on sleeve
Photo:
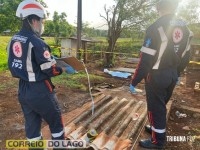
column 162, row 47
column 148, row 51
column 188, row 44
column 29, row 66
column 47, row 65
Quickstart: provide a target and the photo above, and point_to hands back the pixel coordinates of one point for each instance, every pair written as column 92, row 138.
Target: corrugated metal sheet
column 116, row 120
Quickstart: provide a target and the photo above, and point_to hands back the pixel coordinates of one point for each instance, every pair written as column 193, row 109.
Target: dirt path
column 12, row 121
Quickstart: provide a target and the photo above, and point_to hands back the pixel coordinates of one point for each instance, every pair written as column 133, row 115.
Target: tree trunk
column 109, row 62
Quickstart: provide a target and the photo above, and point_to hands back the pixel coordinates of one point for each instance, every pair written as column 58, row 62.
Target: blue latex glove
column 132, row 89
column 70, row 70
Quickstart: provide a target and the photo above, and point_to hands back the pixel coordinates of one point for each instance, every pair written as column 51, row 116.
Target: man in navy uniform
column 165, row 53
column 29, row 59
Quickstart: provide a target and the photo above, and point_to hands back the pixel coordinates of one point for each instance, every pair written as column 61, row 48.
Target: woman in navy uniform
column 29, row 59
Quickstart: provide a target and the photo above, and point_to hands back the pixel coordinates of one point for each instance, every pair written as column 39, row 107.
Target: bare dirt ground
column 12, row 121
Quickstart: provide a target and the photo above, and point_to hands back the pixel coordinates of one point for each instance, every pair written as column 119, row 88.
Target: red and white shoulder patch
column 46, row 54
column 17, row 49
column 177, row 35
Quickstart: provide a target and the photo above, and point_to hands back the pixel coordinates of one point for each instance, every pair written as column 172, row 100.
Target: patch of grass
column 49, row 40
column 3, row 53
column 76, row 81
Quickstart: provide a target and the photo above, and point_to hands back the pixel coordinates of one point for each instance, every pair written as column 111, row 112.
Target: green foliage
column 195, row 28
column 50, row 41
column 125, row 15
column 127, row 46
column 49, row 28
column 7, row 15
column 3, row 53
column 92, row 32
column 59, row 27
column 76, row 81
column 190, row 11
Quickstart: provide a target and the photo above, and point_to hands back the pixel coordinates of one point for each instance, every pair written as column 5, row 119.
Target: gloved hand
column 70, row 70
column 178, row 81
column 132, row 89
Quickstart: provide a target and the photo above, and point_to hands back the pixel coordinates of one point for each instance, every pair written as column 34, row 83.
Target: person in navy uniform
column 164, row 54
column 29, row 59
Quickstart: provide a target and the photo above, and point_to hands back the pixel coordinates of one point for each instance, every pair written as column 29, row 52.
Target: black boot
column 148, row 129
column 147, row 143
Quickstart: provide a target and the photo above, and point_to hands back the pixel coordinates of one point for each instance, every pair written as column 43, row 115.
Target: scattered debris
column 187, row 128
column 171, row 118
column 182, row 101
column 65, row 105
column 96, row 94
column 136, row 116
column 117, row 73
column 138, row 90
column 196, row 115
column 101, row 88
column 132, row 60
column 91, row 135
column 180, row 115
column 197, row 137
column 113, row 124
column 18, row 126
column 17, row 115
column 121, row 69
column 197, row 87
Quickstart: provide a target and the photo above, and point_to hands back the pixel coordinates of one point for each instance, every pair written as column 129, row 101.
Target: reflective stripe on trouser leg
column 35, row 139
column 158, row 135
column 44, row 103
column 61, row 134
column 57, row 135
column 156, row 113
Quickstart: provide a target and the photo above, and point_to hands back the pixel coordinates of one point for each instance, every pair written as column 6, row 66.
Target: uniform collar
column 29, row 32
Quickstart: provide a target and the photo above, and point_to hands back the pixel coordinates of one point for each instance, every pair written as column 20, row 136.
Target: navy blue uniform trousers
column 38, row 101
column 159, row 86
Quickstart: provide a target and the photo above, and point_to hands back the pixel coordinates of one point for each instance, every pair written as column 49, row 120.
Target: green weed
column 76, row 81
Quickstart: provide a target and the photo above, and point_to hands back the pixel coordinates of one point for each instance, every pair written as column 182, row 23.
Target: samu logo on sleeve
column 46, row 54
column 17, row 49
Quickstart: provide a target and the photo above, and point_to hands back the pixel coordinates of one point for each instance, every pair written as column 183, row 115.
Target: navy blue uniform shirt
column 29, row 58
column 166, row 45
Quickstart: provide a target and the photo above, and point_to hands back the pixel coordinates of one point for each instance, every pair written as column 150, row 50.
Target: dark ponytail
column 28, row 20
